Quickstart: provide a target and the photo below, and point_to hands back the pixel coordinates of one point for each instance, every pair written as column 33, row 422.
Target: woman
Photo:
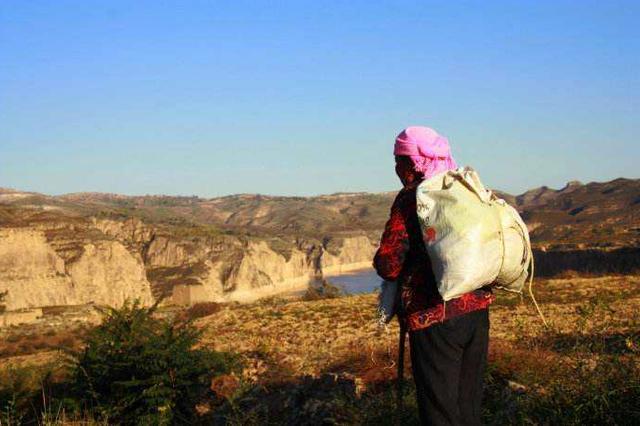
column 449, row 342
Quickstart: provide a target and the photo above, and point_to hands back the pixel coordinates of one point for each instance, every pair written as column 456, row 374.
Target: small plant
column 273, row 301
column 16, row 386
column 325, row 290
column 3, row 296
column 136, row 368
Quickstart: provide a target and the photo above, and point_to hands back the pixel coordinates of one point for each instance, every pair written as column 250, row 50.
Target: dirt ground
column 309, row 338
column 333, row 352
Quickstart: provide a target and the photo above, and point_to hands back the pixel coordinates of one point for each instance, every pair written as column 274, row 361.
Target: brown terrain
column 323, row 361
column 593, row 330
column 329, row 362
column 91, row 247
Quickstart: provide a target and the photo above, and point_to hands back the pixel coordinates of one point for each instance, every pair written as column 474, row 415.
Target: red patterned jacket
column 402, row 257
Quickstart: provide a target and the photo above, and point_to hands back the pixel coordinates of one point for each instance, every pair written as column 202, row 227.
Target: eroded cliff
column 71, row 261
column 85, row 247
column 34, row 274
column 192, row 269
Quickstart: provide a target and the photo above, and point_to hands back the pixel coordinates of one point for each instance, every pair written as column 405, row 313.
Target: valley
column 104, row 248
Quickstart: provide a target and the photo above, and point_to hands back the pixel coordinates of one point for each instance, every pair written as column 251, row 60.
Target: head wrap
column 429, row 152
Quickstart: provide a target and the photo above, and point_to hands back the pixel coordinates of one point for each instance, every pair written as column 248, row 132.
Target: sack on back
column 473, row 237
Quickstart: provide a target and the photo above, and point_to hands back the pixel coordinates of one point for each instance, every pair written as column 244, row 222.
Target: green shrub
column 138, row 369
column 15, row 392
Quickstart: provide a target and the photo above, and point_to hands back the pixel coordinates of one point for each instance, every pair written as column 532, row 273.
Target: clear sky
column 305, row 97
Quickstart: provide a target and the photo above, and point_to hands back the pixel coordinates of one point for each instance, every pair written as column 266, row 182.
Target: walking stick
column 400, row 375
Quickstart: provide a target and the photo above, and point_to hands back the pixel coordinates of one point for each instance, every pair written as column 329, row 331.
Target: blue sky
column 213, row 98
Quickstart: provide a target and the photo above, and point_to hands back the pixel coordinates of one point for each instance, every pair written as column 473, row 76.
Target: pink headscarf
column 429, row 152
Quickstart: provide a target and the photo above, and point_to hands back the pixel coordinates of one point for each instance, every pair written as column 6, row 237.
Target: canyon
column 48, row 258
column 105, row 248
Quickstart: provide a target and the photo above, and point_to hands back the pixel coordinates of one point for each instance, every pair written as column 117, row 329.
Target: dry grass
column 310, row 336
column 17, row 343
column 587, row 356
column 328, row 359
column 303, row 338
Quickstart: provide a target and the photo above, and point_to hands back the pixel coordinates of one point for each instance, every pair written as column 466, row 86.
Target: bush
column 14, row 395
column 138, row 369
column 325, row 290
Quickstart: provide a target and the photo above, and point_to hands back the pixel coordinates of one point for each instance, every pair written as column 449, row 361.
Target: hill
column 241, row 247
column 596, row 214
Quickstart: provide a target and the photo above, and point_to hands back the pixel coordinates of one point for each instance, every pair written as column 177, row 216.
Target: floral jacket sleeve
column 394, row 245
column 402, row 257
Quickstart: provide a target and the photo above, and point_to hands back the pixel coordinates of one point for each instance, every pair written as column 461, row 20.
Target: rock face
column 108, row 273
column 210, row 270
column 34, row 274
column 68, row 262
column 355, row 253
column 105, row 248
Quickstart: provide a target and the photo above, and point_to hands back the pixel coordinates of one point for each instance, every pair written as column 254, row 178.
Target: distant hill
column 592, row 215
column 93, row 247
column 585, row 215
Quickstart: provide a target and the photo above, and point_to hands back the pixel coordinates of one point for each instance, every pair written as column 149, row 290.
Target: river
column 363, row 281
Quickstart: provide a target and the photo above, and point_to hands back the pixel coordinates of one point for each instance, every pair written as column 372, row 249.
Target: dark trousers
column 448, row 361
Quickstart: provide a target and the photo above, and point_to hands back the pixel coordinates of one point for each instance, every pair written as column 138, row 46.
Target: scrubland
column 328, row 362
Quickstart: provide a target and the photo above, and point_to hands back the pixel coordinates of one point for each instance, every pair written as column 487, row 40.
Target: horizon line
column 567, row 184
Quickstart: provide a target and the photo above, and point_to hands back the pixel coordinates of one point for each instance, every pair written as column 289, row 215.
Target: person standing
column 448, row 341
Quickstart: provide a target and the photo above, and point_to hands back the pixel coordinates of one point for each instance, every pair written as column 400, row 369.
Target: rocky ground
column 312, row 346
column 328, row 361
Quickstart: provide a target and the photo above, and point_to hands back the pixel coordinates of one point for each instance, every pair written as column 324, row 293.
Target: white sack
column 473, row 238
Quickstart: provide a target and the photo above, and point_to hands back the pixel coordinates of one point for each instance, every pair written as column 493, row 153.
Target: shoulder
column 405, row 200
